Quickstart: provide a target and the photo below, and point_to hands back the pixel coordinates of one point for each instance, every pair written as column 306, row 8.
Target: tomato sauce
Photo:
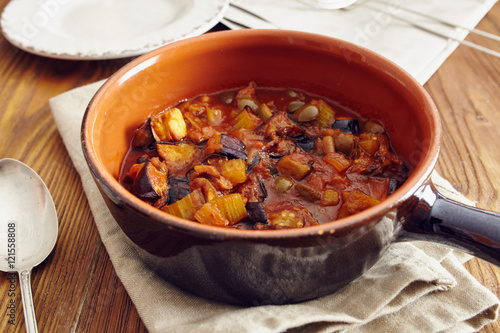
column 261, row 158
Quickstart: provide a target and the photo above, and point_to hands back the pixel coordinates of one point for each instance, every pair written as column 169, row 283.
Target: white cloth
column 375, row 25
column 415, row 287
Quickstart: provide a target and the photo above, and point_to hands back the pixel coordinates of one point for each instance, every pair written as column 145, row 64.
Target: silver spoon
column 28, row 227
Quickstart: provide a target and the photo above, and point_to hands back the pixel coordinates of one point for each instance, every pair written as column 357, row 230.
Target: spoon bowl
column 29, row 227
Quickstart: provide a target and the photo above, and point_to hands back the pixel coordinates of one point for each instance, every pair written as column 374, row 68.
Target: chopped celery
column 326, row 115
column 231, row 207
column 210, row 214
column 246, row 120
column 291, row 167
column 187, row 206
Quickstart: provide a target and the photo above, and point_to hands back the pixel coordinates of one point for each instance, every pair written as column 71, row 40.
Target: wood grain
column 466, row 92
column 76, row 288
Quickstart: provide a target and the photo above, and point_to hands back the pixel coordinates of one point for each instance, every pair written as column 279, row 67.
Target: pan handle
column 430, row 216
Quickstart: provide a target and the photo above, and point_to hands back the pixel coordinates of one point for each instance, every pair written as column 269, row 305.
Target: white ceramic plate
column 105, row 29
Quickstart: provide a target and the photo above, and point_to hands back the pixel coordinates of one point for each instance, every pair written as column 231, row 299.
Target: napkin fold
column 380, row 25
column 415, row 287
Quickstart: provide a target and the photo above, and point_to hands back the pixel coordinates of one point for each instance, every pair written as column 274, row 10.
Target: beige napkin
column 415, row 287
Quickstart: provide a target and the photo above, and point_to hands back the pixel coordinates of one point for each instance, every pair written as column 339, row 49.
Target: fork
column 327, row 4
column 246, row 11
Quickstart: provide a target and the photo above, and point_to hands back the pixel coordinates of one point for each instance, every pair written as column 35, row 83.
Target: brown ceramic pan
column 278, row 266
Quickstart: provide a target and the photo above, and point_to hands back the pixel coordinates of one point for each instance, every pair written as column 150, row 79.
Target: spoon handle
column 27, row 296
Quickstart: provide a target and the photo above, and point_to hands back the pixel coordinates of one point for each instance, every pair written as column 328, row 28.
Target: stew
column 261, row 158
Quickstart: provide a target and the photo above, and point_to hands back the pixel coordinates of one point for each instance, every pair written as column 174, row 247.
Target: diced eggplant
column 179, row 187
column 272, row 169
column 393, row 186
column 263, row 189
column 232, row 147
column 181, row 155
column 350, row 126
column 143, row 136
column 301, row 153
column 231, row 142
column 398, row 178
column 231, row 153
column 255, row 160
column 151, row 182
column 306, row 143
column 187, row 207
column 256, row 213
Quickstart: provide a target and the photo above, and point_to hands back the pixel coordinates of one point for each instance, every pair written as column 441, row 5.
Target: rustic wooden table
column 76, row 288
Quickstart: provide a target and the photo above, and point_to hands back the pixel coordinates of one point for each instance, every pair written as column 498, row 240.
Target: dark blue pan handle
column 433, row 217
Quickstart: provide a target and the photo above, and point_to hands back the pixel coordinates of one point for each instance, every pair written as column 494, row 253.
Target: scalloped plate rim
column 11, row 33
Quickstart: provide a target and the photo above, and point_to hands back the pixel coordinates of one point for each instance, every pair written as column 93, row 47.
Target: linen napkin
column 375, row 24
column 415, row 287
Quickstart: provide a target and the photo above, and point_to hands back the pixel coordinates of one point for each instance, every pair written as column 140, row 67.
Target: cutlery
column 28, row 225
column 329, row 4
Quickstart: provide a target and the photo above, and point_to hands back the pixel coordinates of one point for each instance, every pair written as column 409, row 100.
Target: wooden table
column 76, row 288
